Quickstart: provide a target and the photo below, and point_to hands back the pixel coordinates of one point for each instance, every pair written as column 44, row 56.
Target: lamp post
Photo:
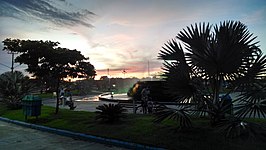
column 109, row 80
column 12, row 59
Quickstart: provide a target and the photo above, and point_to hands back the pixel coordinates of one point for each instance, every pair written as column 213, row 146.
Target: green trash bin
column 31, row 105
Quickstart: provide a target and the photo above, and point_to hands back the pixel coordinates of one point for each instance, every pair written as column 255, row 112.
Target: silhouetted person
column 144, row 99
column 69, row 100
column 150, row 106
column 61, row 96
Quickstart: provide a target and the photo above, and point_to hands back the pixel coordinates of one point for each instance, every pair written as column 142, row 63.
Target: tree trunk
column 216, row 89
column 57, row 96
column 217, row 116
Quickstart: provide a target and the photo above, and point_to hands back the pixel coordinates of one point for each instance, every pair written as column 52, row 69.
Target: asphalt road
column 14, row 137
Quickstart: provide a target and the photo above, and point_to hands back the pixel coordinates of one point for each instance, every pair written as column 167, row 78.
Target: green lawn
column 140, row 129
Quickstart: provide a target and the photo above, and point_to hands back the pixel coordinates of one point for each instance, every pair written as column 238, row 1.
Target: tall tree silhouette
column 46, row 60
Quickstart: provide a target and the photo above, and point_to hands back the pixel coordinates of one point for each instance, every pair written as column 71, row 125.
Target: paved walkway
column 86, row 103
column 14, row 137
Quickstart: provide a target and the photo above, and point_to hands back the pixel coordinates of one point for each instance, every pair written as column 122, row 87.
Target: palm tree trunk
column 216, row 116
column 217, row 86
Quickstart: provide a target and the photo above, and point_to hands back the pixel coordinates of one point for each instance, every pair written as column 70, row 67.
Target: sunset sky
column 120, row 34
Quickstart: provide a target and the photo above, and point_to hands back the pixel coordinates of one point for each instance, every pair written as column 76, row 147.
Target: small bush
column 110, row 112
column 13, row 87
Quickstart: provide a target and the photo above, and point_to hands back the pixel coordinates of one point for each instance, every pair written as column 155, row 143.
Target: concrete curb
column 82, row 136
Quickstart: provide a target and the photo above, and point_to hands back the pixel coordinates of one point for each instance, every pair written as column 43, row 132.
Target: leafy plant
column 209, row 57
column 13, row 87
column 233, row 127
column 179, row 114
column 110, row 112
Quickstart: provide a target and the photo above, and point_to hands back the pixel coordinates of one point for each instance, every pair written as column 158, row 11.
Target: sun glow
column 79, row 43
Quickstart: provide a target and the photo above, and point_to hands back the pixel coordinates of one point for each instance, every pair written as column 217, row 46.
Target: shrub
column 110, row 112
column 13, row 87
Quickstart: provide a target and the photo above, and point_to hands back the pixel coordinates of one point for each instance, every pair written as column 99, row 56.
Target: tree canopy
column 46, row 60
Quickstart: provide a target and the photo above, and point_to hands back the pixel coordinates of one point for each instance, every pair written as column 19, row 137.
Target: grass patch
column 46, row 95
column 3, row 108
column 140, row 129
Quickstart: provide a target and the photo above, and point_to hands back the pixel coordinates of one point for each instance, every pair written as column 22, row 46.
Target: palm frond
column 172, row 51
column 179, row 115
column 233, row 46
column 177, row 79
column 252, row 103
column 235, row 128
column 251, row 74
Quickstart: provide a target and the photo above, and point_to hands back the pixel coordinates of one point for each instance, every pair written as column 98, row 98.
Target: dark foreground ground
column 14, row 137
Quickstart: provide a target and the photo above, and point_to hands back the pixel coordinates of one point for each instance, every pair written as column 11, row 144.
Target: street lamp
column 12, row 59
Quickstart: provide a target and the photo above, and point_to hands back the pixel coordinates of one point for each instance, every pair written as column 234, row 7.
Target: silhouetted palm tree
column 13, row 87
column 208, row 57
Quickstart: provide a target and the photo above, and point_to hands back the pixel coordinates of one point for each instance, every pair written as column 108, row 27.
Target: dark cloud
column 44, row 10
